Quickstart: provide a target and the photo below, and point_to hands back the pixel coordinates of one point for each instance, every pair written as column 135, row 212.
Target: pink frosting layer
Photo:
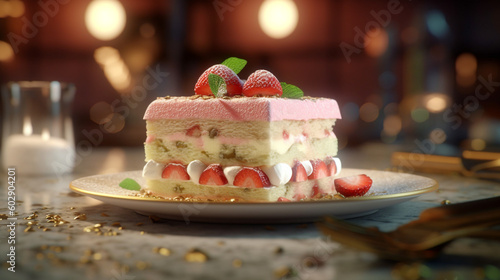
column 243, row 109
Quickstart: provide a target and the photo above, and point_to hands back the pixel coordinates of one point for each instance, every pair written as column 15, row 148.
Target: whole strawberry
column 233, row 82
column 262, row 82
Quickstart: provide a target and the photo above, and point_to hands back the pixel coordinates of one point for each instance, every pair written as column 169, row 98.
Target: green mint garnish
column 130, row 184
column 235, row 64
column 217, row 84
column 291, row 91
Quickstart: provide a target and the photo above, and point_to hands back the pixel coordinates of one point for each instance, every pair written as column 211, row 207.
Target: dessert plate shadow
column 389, row 188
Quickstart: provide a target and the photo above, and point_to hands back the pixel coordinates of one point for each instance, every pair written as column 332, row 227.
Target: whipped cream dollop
column 231, row 172
column 153, row 170
column 307, row 166
column 194, row 169
column 278, row 174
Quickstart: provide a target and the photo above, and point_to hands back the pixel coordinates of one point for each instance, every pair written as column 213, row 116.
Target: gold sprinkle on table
column 283, row 272
column 445, row 202
column 116, row 224
column 141, row 265
column 81, row 217
column 3, row 217
column 196, row 255
column 278, row 250
column 28, row 229
column 237, row 263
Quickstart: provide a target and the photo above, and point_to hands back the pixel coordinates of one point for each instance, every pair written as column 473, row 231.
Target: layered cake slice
column 246, row 144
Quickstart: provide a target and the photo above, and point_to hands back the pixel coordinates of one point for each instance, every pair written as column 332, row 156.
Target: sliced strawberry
column 251, row 177
column 194, row 131
column 262, row 82
column 299, row 196
column 316, row 191
column 319, row 169
column 213, row 175
column 233, row 82
column 175, row 171
column 356, row 185
column 283, row 199
column 331, row 165
column 299, row 173
column 286, row 135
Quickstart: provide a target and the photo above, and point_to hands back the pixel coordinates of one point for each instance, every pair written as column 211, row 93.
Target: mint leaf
column 217, row 84
column 235, row 64
column 130, row 184
column 291, row 91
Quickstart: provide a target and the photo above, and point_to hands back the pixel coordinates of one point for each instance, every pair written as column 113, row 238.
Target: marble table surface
column 63, row 235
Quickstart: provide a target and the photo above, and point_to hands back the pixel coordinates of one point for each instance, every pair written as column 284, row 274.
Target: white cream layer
column 278, row 174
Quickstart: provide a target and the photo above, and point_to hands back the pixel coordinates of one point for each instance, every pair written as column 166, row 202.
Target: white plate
column 388, row 189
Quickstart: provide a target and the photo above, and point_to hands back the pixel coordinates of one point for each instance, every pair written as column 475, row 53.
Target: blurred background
column 420, row 74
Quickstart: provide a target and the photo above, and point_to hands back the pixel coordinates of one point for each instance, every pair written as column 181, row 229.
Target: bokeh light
column 437, row 136
column 419, row 115
column 392, row 125
column 436, row 23
column 350, row 112
column 369, row 112
column 115, row 69
column 101, row 112
column 466, row 65
column 478, row 144
column 387, row 80
column 436, row 102
column 6, row 52
column 377, row 42
column 278, row 18
column 147, row 30
column 105, row 19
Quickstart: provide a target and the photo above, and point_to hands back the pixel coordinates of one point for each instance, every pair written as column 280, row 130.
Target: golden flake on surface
column 55, row 219
column 445, row 202
column 3, row 217
column 82, row 217
column 163, row 251
column 28, row 229
column 116, row 224
column 141, row 265
column 196, row 255
column 85, row 260
column 72, row 208
column 32, row 216
column 237, row 263
column 142, row 232
column 46, row 229
column 97, row 256
column 57, row 249
column 283, row 272
column 279, row 250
